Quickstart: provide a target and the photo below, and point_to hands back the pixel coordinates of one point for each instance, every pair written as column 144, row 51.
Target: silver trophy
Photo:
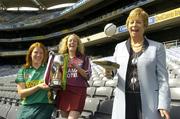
column 56, row 73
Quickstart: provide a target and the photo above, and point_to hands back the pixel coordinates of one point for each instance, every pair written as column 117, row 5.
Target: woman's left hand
column 164, row 113
column 75, row 64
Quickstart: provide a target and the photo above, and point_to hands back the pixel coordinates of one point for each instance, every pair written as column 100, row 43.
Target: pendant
column 133, row 80
column 134, row 61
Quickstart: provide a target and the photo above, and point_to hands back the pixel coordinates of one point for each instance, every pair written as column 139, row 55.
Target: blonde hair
column 29, row 52
column 63, row 48
column 138, row 12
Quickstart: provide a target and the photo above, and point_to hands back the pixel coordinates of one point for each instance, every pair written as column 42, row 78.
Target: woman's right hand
column 164, row 114
column 43, row 86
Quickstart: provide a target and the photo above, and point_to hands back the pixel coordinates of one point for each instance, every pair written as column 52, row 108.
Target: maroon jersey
column 73, row 77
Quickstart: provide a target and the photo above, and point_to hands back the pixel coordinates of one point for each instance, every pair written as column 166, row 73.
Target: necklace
column 136, row 42
column 139, row 45
column 137, row 48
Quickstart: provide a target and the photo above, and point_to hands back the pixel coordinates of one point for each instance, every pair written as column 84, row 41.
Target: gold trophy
column 56, row 71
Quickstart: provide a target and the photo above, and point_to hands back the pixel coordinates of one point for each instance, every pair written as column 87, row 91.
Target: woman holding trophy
column 71, row 100
column 36, row 99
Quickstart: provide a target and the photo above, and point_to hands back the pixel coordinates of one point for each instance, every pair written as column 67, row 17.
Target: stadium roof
column 34, row 5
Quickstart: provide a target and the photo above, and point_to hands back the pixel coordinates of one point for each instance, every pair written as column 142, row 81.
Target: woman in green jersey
column 36, row 98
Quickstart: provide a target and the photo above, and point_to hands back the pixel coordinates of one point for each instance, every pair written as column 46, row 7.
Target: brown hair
column 138, row 12
column 29, row 52
column 63, row 48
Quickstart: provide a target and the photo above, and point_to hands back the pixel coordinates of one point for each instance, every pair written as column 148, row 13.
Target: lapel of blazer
column 125, row 54
column 141, row 57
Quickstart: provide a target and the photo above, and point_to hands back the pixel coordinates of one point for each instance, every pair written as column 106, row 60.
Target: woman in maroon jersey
column 71, row 100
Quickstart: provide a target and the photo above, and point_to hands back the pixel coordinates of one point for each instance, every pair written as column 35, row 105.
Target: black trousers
column 133, row 105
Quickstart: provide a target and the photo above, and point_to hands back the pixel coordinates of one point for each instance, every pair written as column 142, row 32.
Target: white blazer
column 153, row 79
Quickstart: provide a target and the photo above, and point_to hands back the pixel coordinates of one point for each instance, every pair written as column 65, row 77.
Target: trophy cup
column 56, row 73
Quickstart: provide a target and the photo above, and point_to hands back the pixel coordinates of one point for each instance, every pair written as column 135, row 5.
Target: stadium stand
column 175, row 104
column 91, row 91
column 173, row 67
column 91, row 105
column 104, row 110
column 98, row 83
column 111, row 83
column 90, row 82
column 103, row 93
column 13, row 111
column 6, row 70
column 5, row 107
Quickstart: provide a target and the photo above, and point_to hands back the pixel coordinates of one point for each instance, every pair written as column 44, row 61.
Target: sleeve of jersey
column 20, row 76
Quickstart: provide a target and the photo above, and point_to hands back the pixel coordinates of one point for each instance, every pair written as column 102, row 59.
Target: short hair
column 138, row 12
column 29, row 52
column 63, row 48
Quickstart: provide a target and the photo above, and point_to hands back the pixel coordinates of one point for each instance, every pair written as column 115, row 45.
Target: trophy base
column 55, row 84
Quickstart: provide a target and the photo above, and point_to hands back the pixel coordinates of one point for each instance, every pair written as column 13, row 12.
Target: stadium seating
column 175, row 94
column 104, row 110
column 103, row 93
column 90, row 108
column 111, row 83
column 106, row 78
column 90, row 82
column 98, row 83
column 174, row 112
column 100, row 93
column 91, row 91
column 174, row 82
column 13, row 111
column 5, row 107
column 173, row 67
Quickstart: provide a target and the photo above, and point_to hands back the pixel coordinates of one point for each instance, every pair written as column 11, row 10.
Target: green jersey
column 32, row 77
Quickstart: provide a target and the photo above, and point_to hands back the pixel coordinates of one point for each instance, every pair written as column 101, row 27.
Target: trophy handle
column 48, row 69
column 51, row 52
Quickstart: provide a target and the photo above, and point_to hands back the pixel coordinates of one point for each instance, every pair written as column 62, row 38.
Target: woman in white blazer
column 143, row 90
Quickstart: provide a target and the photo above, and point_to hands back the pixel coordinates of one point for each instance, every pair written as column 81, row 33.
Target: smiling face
column 37, row 56
column 137, row 22
column 72, row 43
column 136, row 27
